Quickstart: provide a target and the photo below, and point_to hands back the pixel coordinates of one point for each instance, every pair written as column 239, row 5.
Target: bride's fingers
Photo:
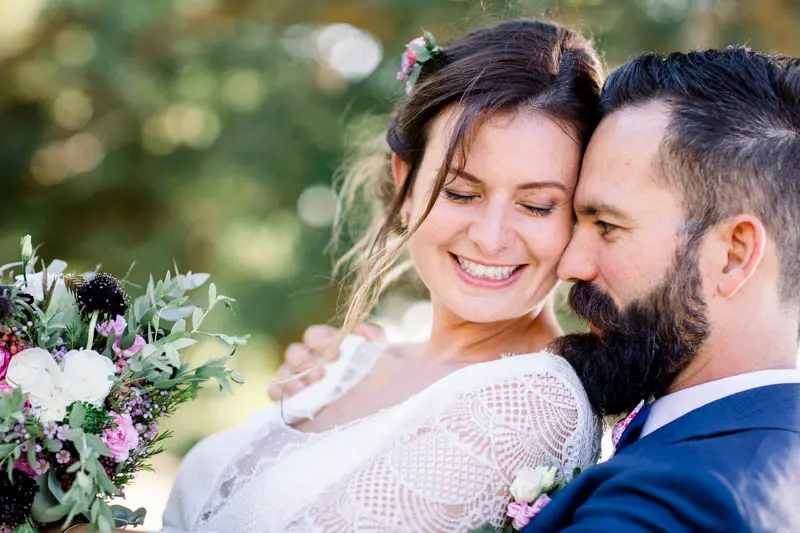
column 322, row 340
column 276, row 392
column 372, row 332
column 300, row 359
column 279, row 390
column 288, row 383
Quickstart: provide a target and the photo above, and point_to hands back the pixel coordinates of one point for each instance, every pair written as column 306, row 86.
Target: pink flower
column 5, row 358
column 121, row 439
column 540, row 503
column 138, row 345
column 521, row 512
column 620, row 427
column 5, row 388
column 409, row 59
column 118, row 325
column 23, row 466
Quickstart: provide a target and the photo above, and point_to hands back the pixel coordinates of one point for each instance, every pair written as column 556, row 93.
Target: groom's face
column 638, row 280
column 627, row 221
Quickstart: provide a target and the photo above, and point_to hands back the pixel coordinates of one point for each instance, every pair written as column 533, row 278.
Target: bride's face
column 488, row 250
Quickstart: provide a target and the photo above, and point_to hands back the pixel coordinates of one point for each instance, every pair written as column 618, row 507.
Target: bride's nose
column 490, row 229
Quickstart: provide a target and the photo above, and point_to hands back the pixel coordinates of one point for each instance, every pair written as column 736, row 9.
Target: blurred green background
column 208, row 132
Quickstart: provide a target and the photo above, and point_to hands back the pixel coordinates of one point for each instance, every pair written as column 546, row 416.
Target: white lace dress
column 442, row 460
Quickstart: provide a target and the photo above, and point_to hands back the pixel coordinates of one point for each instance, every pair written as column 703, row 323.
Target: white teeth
column 486, row 272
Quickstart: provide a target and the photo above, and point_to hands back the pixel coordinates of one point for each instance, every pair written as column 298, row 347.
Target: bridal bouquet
column 86, row 374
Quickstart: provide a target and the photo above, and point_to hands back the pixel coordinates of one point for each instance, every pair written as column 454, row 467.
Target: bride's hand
column 319, row 346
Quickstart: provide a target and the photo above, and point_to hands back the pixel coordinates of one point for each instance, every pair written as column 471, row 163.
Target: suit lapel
column 770, row 407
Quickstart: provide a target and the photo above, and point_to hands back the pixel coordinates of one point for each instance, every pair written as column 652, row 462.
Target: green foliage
column 88, row 417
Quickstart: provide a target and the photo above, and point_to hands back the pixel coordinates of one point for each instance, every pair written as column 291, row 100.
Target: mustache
column 594, row 306
column 642, row 347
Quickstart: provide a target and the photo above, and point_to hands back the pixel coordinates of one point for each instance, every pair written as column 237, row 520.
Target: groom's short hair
column 732, row 143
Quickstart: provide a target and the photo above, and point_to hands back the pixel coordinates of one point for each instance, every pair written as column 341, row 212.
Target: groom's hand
column 319, row 346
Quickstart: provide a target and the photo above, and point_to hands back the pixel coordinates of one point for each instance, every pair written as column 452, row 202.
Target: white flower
column 54, row 408
column 35, row 371
column 35, row 285
column 87, row 376
column 27, row 247
column 530, row 483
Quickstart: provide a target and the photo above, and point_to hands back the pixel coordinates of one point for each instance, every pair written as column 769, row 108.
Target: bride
column 476, row 182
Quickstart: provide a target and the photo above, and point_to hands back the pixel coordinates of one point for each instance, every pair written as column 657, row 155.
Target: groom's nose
column 577, row 263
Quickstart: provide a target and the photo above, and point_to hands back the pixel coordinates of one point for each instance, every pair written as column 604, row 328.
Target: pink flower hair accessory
column 418, row 52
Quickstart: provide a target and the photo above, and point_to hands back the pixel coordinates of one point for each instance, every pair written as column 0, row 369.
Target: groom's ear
column 743, row 241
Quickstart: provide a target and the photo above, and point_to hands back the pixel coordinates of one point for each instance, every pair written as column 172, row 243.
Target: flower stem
column 92, row 325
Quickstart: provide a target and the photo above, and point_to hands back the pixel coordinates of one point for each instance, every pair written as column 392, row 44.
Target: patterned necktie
column 627, row 430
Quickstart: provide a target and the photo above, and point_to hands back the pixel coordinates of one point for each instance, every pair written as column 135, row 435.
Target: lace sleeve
column 452, row 471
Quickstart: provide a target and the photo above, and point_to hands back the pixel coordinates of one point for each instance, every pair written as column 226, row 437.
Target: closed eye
column 538, row 211
column 457, row 197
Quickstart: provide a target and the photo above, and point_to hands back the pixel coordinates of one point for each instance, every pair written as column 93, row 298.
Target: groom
column 686, row 264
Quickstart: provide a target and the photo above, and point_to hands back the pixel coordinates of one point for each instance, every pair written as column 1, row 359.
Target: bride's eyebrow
column 457, row 173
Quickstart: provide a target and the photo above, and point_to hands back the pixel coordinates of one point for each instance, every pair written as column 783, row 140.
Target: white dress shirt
column 675, row 405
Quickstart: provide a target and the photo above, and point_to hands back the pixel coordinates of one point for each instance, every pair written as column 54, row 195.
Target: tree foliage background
column 208, row 131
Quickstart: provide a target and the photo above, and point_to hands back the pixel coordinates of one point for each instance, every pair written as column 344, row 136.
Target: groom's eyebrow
column 530, row 185
column 599, row 209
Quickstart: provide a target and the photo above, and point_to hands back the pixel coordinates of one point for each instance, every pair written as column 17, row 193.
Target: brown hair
column 516, row 65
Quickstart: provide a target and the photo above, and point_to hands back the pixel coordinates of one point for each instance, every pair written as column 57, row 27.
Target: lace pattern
column 442, row 460
column 453, row 471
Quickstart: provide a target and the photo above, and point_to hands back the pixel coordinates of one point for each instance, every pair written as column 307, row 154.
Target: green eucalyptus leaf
column 74, row 434
column 47, row 507
column 135, row 364
column 104, row 524
column 83, row 481
column 197, row 318
column 128, row 340
column 77, row 415
column 180, row 344
column 212, row 295
column 112, row 337
column 6, row 450
column 191, row 281
column 125, row 517
column 423, row 55
column 97, row 445
column 32, row 456
column 179, row 326
column 54, row 486
column 177, row 313
column 26, row 527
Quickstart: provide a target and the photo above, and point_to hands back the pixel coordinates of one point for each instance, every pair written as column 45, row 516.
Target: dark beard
column 641, row 349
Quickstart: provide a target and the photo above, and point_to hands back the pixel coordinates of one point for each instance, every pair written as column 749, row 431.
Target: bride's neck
column 455, row 340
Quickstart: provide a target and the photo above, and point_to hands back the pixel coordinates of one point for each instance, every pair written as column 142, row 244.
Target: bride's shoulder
column 530, row 366
column 540, row 374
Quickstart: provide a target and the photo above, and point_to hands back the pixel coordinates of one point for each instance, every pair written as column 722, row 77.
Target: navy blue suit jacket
column 730, row 466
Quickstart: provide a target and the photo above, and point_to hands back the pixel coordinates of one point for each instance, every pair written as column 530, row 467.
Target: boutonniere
column 531, row 490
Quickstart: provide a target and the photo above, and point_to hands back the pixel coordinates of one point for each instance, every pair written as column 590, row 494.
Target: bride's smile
column 489, row 247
